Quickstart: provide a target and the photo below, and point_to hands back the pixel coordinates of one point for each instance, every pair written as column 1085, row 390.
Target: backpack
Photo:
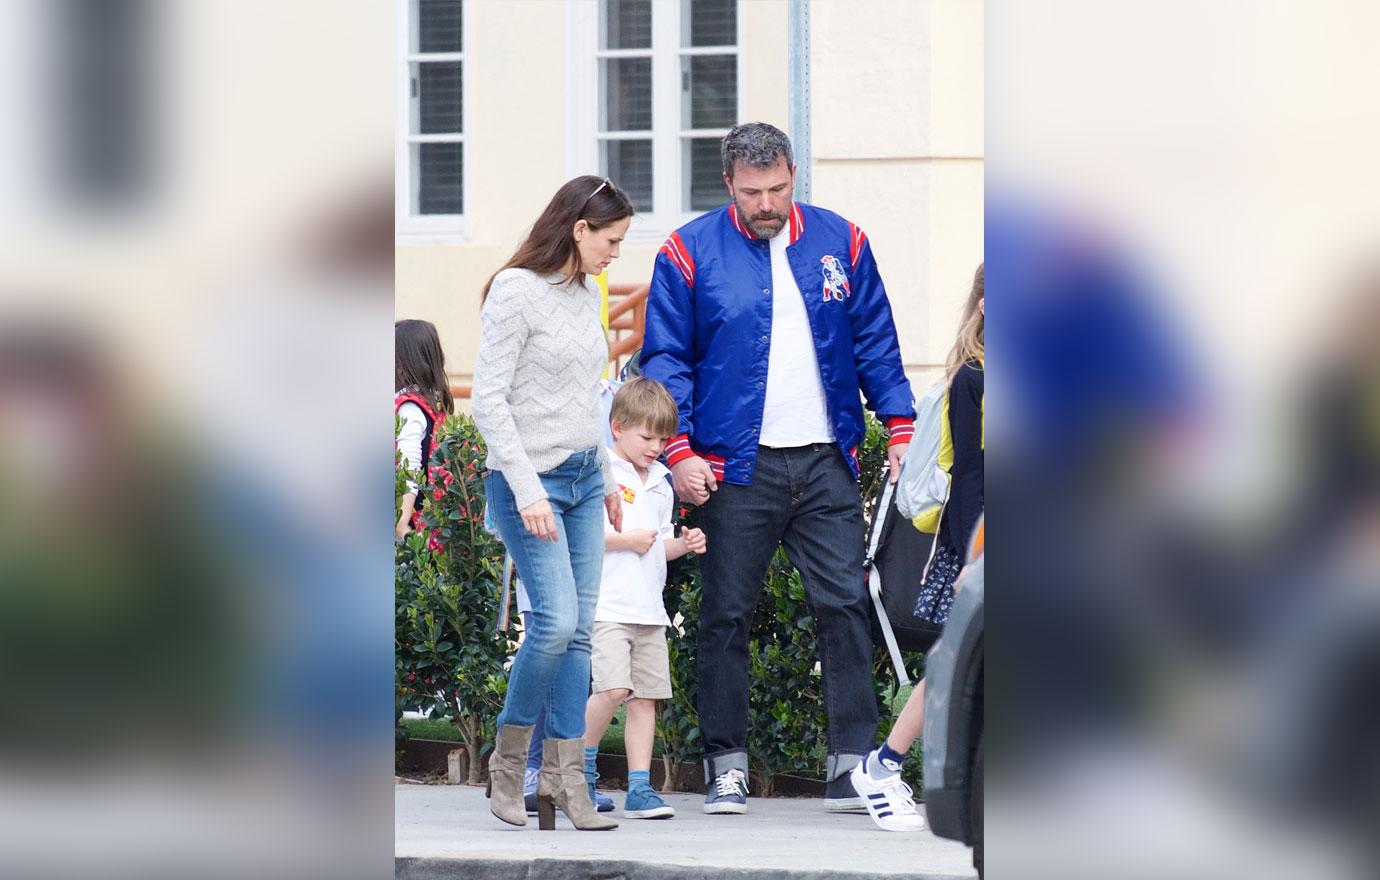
column 923, row 487
column 921, row 495
column 895, row 565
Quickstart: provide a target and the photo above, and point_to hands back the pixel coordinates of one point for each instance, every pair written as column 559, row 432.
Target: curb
column 408, row 868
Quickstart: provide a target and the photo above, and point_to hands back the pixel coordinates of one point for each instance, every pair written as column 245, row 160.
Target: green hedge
column 450, row 659
column 449, row 656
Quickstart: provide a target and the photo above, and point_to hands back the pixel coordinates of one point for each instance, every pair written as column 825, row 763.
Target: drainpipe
column 798, row 85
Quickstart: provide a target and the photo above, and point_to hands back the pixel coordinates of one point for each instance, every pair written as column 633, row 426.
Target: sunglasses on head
column 596, row 192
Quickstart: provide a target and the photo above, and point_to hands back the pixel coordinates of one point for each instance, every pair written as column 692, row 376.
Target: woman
column 550, row 485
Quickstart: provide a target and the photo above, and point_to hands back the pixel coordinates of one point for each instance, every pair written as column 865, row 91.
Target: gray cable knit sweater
column 535, row 398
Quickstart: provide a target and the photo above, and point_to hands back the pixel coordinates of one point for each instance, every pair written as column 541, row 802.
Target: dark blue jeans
column 805, row 498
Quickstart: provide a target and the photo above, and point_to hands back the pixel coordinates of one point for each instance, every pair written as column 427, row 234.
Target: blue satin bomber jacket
column 708, row 334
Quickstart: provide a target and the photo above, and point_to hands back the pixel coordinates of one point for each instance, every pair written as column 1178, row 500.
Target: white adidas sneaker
column 889, row 801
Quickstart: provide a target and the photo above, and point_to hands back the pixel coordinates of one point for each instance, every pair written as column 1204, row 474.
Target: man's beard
column 761, row 224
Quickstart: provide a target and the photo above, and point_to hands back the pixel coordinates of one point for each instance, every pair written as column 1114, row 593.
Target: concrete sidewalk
column 447, row 831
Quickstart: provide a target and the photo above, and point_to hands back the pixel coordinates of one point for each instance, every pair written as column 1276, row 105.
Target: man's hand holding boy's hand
column 694, row 540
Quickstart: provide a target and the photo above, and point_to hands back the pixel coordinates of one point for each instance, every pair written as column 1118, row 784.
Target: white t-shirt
column 409, row 438
column 630, row 591
column 795, row 412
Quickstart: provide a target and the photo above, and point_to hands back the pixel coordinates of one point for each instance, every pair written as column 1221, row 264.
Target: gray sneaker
column 727, row 793
column 841, row 797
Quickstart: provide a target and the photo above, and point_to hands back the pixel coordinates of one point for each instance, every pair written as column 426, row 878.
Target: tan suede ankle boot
column 506, row 765
column 562, row 784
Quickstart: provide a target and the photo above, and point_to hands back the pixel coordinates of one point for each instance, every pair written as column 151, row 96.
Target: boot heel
column 546, row 813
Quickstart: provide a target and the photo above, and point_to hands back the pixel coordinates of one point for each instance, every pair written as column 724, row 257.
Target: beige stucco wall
column 897, row 118
column 897, row 124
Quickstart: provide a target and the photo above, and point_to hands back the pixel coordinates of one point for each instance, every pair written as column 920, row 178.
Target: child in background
column 422, row 401
column 878, row 777
column 629, row 661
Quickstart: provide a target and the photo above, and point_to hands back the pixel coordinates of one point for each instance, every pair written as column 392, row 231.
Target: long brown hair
column 420, row 363
column 970, row 346
column 550, row 246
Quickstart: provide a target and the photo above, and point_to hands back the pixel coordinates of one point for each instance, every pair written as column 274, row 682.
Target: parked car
column 954, row 713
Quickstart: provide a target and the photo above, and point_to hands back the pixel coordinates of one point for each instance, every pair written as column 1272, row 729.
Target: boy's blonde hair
column 642, row 402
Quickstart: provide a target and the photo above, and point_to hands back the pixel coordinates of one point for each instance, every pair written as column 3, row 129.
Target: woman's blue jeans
column 562, row 580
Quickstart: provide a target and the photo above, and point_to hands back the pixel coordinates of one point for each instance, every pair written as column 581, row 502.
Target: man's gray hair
column 757, row 144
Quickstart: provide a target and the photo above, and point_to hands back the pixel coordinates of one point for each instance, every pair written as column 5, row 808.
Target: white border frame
column 420, row 228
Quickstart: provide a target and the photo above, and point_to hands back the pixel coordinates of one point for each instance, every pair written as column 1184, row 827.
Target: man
column 766, row 318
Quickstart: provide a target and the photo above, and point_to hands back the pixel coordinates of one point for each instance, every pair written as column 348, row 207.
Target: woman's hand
column 613, row 503
column 540, row 521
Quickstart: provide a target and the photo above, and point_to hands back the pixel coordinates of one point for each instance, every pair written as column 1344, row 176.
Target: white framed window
column 654, row 85
column 431, row 171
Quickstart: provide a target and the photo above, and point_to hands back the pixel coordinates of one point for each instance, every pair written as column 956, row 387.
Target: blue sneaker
column 643, row 802
column 529, row 790
column 602, row 802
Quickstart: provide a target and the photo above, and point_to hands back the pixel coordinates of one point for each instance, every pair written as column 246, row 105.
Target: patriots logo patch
column 835, row 280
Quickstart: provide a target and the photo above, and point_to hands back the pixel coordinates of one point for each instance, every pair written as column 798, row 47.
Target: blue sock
column 591, row 765
column 885, row 762
column 639, row 779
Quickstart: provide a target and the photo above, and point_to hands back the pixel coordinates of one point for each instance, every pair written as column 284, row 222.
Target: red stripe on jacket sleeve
column 679, row 256
column 855, row 244
column 678, row 449
column 902, row 430
column 716, row 464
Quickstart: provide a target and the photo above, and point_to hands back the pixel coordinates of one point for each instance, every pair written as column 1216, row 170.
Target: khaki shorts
column 631, row 656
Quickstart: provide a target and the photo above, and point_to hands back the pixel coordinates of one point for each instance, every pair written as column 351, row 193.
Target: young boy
column 628, row 658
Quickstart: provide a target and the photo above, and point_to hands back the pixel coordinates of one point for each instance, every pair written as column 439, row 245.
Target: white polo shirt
column 630, row 591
